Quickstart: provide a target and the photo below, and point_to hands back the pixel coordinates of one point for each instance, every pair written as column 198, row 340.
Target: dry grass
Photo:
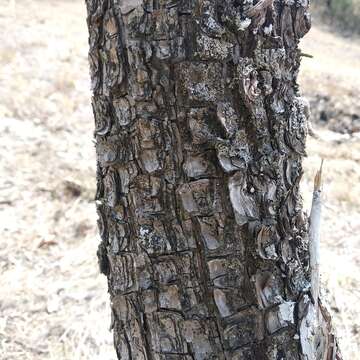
column 53, row 302
column 342, row 14
column 334, row 73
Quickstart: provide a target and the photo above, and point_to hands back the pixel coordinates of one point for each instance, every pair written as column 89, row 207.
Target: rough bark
column 200, row 132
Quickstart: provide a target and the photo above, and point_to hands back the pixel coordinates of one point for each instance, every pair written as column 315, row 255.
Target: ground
column 53, row 302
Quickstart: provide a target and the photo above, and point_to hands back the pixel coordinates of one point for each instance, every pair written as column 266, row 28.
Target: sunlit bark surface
column 200, row 133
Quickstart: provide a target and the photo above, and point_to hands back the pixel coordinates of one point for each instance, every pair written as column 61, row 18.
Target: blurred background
column 53, row 302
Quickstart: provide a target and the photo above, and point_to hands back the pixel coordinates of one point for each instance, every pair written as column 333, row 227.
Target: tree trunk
column 200, row 134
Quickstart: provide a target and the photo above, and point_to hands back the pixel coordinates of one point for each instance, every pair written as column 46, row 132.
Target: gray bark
column 200, row 134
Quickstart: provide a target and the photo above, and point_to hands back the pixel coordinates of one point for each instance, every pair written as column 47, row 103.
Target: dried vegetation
column 342, row 14
column 53, row 302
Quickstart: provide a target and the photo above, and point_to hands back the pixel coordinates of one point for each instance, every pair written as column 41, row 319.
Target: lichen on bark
column 200, row 130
